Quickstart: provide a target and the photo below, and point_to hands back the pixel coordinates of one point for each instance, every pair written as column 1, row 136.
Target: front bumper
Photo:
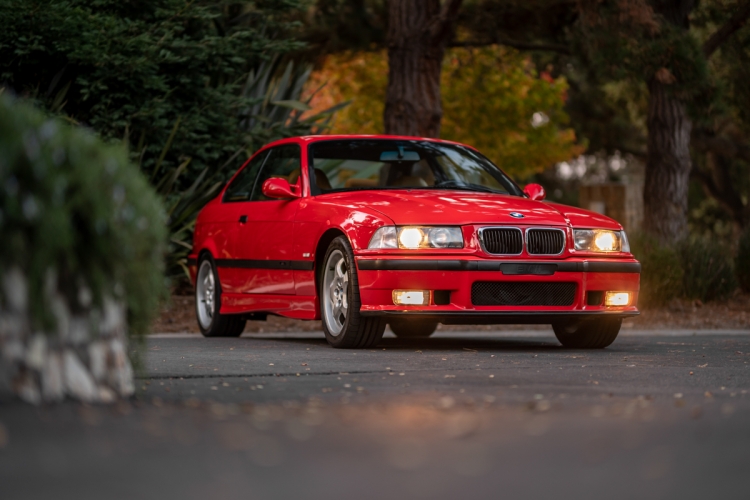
column 378, row 277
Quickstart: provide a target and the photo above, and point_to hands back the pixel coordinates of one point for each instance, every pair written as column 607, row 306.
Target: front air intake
column 545, row 241
column 522, row 293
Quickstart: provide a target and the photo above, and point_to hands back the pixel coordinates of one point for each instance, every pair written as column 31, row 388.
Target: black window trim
column 247, row 165
column 267, row 152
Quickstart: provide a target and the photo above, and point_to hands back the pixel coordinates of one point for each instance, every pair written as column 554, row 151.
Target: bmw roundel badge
column 516, row 215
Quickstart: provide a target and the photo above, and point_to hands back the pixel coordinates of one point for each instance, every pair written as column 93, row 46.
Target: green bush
column 742, row 263
column 661, row 273
column 708, row 269
column 75, row 209
column 132, row 69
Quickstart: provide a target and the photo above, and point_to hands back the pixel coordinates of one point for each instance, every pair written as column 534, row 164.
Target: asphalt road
column 462, row 415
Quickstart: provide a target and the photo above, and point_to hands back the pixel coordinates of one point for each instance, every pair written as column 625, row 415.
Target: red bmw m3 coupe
column 364, row 231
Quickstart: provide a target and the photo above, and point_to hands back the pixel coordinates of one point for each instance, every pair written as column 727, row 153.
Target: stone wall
column 84, row 357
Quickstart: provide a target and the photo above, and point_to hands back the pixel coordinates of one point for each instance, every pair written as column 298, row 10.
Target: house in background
column 619, row 200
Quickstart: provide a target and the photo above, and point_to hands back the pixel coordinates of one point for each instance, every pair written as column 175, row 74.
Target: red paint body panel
column 291, row 230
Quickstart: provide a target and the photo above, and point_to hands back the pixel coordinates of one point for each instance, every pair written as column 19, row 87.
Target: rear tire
column 413, row 328
column 593, row 334
column 343, row 324
column 208, row 303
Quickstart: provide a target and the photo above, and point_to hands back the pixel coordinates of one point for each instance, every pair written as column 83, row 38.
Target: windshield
column 358, row 164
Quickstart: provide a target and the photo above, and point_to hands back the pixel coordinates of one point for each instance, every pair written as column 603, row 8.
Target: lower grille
column 545, row 241
column 504, row 293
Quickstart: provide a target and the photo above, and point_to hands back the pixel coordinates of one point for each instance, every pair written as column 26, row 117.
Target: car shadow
column 439, row 344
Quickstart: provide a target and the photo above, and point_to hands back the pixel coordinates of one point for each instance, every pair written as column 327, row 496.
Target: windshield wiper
column 466, row 187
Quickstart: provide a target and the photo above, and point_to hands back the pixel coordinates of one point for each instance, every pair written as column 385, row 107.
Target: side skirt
column 289, row 306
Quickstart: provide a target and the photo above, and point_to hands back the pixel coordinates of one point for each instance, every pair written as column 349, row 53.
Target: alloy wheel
column 205, row 293
column 336, row 292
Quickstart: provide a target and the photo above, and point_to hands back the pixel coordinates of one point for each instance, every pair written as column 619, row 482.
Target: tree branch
column 443, row 25
column 516, row 44
column 720, row 36
column 720, row 145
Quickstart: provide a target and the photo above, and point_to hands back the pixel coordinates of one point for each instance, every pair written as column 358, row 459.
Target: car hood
column 453, row 207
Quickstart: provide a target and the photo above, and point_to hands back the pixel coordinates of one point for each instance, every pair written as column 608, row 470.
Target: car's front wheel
column 208, row 303
column 592, row 334
column 343, row 324
column 412, row 328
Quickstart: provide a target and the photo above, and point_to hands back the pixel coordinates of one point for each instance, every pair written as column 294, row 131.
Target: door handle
column 243, row 219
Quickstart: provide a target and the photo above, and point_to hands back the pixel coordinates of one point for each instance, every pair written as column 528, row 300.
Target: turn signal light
column 411, row 297
column 616, row 298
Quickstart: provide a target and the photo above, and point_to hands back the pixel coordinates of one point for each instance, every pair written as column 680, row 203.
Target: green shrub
column 133, row 69
column 661, row 273
column 742, row 263
column 709, row 271
column 75, row 214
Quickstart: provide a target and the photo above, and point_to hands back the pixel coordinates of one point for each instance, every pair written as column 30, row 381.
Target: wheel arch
column 320, row 252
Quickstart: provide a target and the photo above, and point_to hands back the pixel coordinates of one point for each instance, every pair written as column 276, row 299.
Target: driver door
column 263, row 241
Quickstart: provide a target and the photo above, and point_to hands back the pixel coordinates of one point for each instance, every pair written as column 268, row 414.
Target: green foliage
column 629, row 41
column 696, row 268
column 190, row 87
column 279, row 108
column 492, row 99
column 76, row 208
column 742, row 262
column 495, row 100
column 134, row 69
column 709, row 271
column 661, row 274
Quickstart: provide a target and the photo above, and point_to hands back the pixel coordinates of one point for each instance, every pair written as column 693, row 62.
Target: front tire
column 593, row 334
column 208, row 303
column 343, row 324
column 413, row 328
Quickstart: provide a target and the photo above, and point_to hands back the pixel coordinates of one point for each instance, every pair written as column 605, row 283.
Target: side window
column 242, row 185
column 283, row 162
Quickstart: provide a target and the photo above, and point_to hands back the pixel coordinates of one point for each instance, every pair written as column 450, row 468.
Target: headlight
column 601, row 240
column 414, row 237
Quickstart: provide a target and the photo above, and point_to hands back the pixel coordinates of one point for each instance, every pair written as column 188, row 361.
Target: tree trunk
column 416, row 44
column 668, row 166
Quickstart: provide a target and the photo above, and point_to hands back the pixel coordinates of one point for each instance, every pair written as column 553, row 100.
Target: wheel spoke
column 337, row 312
column 340, row 269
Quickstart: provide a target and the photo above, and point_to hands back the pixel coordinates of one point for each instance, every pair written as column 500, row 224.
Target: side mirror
column 535, row 192
column 278, row 188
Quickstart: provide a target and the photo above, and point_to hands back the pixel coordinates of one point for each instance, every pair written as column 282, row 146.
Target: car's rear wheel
column 413, row 328
column 592, row 334
column 343, row 324
column 208, row 303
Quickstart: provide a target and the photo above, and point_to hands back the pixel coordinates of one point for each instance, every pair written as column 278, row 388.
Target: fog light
column 616, row 298
column 411, row 297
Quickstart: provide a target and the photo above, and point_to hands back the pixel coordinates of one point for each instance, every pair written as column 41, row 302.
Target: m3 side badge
column 516, row 215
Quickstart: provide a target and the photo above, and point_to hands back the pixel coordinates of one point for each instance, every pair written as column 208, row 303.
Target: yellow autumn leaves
column 493, row 99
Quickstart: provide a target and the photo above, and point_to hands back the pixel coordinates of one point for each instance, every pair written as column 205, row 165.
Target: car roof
column 317, row 138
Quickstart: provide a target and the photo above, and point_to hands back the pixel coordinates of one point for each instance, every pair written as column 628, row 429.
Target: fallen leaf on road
column 450, row 376
column 3, row 436
column 703, row 366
